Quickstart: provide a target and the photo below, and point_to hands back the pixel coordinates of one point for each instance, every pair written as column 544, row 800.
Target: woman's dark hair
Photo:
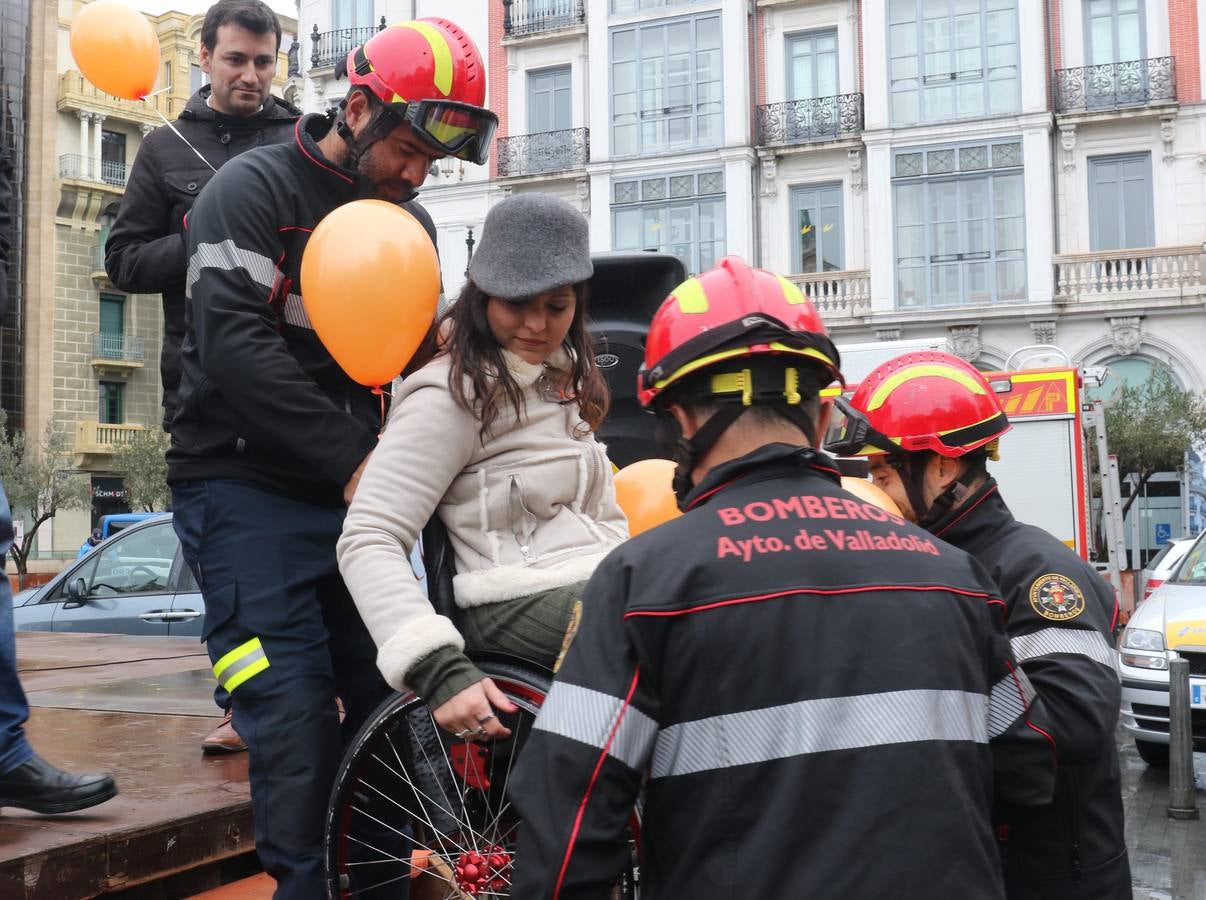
column 477, row 359
column 254, row 15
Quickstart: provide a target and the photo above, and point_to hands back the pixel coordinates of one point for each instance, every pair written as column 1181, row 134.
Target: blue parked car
column 109, row 526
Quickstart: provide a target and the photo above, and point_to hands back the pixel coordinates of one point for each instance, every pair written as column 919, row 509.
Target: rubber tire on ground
column 1152, row 753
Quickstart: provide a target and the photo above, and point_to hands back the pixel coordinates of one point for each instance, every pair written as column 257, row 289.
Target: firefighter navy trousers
column 285, row 639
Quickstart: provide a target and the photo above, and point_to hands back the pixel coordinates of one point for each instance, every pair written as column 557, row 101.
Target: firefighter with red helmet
column 813, row 694
column 930, row 422
column 271, row 435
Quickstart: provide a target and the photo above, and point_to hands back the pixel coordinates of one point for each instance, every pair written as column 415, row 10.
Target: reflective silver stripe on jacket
column 1006, row 704
column 589, row 717
column 228, row 257
column 818, row 726
column 294, row 312
column 1050, row 641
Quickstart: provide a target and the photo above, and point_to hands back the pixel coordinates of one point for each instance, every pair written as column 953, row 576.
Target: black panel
column 14, row 114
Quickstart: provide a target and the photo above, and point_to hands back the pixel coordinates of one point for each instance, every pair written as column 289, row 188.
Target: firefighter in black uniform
column 944, row 421
column 813, row 694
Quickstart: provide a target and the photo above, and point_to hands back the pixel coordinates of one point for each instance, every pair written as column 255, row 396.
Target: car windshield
column 1193, row 567
column 1159, row 557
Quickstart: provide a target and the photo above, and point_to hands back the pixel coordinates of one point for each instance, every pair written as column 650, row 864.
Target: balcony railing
column 814, row 119
column 83, row 168
column 76, row 92
column 93, row 438
column 522, row 17
column 545, row 152
column 329, row 47
column 1137, row 82
column 1118, row 274
column 127, row 347
column 837, row 295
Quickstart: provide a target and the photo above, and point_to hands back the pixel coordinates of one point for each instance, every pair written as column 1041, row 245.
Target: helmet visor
column 851, row 434
column 458, row 129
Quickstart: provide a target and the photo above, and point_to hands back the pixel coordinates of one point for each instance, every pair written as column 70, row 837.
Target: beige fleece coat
column 534, row 508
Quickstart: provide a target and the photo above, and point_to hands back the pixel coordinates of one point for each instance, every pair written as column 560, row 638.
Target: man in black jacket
column 271, row 434
column 228, row 116
column 240, row 40
column 945, row 423
column 26, row 780
column 813, row 694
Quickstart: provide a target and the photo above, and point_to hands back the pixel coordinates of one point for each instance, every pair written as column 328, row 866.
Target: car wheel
column 1152, row 753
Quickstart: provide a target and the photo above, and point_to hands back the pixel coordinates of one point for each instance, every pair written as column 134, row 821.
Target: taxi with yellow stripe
column 1171, row 623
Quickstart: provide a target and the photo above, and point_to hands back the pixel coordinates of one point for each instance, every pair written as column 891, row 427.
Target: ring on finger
column 463, row 733
column 482, row 720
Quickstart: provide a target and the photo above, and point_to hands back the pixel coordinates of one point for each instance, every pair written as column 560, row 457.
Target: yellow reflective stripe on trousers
column 240, row 664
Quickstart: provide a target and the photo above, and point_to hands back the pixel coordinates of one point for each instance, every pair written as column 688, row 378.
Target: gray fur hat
column 531, row 243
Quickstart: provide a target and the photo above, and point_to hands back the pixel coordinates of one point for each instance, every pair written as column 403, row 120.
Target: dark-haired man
column 235, row 112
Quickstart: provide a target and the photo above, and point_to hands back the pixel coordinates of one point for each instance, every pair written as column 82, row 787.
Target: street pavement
column 1168, row 856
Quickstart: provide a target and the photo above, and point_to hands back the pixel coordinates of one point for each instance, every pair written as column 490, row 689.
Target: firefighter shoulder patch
column 1056, row 597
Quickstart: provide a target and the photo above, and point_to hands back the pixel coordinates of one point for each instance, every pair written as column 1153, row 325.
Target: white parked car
column 1164, row 564
column 1169, row 623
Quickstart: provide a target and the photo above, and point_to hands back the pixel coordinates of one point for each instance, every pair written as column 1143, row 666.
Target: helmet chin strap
column 379, row 127
column 912, row 467
column 688, row 451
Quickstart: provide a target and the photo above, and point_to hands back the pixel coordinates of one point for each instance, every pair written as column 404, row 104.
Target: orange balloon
column 370, row 282
column 873, row 494
column 645, row 491
column 116, row 48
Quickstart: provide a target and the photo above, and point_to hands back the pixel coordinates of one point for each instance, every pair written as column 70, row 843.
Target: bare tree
column 37, row 479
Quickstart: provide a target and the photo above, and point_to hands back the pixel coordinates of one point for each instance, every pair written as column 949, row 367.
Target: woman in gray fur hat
column 495, row 435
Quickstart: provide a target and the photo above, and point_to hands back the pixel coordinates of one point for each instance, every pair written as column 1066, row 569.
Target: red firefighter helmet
column 924, row 401
column 431, row 74
column 730, row 311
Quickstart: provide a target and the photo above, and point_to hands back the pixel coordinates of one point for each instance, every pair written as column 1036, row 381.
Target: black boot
column 37, row 785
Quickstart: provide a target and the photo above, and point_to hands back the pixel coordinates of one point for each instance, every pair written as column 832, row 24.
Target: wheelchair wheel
column 413, row 807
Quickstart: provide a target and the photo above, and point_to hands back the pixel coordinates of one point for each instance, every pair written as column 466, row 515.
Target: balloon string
column 155, row 109
column 382, row 393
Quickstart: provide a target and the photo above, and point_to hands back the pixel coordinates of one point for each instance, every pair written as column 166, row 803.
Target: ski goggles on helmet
column 456, row 129
column 856, row 436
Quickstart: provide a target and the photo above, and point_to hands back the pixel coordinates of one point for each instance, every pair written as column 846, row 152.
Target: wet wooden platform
column 137, row 708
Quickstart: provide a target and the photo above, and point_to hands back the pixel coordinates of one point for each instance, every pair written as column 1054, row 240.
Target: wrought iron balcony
column 127, row 347
column 329, row 47
column 1137, row 82
column 522, row 17
column 84, row 168
column 814, row 119
column 544, row 153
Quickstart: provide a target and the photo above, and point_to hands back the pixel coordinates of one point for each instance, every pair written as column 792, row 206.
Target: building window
column 112, row 396
column 352, row 14
column 1121, row 214
column 817, row 221
column 113, row 157
column 1113, row 31
column 196, row 78
column 679, row 214
column 812, row 65
column 952, row 59
column 112, row 314
column 549, row 100
column 960, row 225
column 666, row 92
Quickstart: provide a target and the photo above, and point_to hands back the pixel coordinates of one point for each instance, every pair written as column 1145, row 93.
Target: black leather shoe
column 38, row 786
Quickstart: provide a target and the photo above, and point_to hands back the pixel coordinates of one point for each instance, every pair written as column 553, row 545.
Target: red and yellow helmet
column 730, row 311
column 430, row 73
column 923, row 401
